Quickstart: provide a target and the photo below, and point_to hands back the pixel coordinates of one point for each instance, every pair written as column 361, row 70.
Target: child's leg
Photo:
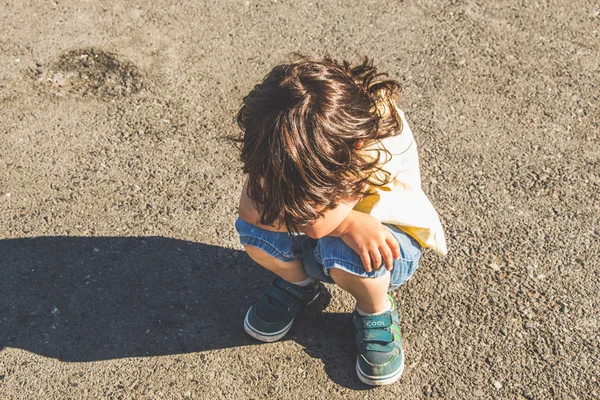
column 370, row 293
column 274, row 251
column 291, row 271
column 272, row 315
column 342, row 264
column 380, row 359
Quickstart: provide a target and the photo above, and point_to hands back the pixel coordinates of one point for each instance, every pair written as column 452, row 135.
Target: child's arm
column 364, row 234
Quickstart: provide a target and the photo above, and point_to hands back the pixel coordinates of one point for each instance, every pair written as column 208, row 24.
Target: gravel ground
column 121, row 275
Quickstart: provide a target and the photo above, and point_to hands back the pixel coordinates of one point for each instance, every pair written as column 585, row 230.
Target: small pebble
column 497, row 385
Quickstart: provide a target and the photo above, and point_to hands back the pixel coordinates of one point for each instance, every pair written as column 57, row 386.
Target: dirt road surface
column 121, row 274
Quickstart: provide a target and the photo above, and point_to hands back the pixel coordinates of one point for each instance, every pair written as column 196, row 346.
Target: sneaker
column 271, row 317
column 380, row 358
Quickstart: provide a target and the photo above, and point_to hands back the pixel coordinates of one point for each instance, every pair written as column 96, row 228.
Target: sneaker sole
column 262, row 336
column 380, row 380
column 269, row 337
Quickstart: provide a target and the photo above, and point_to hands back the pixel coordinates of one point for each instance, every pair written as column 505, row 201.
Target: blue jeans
column 320, row 255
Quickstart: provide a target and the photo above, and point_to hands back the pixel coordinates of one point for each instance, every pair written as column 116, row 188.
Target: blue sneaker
column 380, row 358
column 271, row 317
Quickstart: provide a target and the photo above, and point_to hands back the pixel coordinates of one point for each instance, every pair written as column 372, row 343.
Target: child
column 333, row 194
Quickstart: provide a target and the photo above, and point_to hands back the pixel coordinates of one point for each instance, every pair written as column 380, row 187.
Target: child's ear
column 359, row 145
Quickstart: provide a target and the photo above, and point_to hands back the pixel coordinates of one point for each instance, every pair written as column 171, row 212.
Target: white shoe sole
column 269, row 337
column 381, row 380
column 273, row 337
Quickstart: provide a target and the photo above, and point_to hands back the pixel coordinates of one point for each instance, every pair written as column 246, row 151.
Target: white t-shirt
column 402, row 202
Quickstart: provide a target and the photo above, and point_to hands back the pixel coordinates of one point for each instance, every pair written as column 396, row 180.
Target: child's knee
column 338, row 274
column 410, row 256
column 265, row 252
column 333, row 253
column 260, row 242
column 257, row 253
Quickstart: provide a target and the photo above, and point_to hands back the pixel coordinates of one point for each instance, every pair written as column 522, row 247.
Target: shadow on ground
column 88, row 299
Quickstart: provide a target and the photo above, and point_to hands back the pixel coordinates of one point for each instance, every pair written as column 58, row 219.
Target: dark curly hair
column 305, row 131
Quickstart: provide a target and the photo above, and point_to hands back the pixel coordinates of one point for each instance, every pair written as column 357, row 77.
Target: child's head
column 304, row 126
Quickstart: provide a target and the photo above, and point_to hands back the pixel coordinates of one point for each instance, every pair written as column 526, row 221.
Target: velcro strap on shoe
column 295, row 291
column 373, row 322
column 375, row 335
column 284, row 298
column 375, row 346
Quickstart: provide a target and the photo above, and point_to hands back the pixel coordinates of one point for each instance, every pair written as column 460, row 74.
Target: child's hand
column 371, row 240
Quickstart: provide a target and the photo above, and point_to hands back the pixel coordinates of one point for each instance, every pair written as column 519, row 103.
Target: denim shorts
column 320, row 255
